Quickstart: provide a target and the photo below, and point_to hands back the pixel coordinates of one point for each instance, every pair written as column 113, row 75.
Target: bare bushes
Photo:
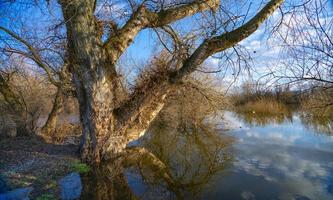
column 317, row 109
column 255, row 99
column 68, row 127
column 26, row 99
column 315, row 100
column 23, row 100
column 37, row 95
column 265, row 105
column 318, row 102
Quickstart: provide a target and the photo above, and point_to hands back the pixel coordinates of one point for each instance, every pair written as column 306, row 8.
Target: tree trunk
column 93, row 77
column 97, row 83
column 105, row 134
column 51, row 122
column 96, row 100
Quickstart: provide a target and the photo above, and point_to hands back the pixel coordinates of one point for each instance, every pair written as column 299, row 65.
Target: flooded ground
column 258, row 157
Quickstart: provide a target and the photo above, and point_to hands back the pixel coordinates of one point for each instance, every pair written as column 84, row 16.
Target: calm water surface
column 258, row 157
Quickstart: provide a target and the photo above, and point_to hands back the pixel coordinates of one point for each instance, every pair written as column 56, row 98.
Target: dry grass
column 264, row 106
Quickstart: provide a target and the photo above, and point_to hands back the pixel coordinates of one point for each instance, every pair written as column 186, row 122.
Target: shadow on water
column 173, row 163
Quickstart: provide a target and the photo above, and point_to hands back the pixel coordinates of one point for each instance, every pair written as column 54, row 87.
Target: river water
column 247, row 157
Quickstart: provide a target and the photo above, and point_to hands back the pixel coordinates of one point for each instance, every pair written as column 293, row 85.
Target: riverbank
column 31, row 162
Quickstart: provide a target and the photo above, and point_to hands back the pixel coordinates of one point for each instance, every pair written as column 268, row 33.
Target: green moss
column 46, row 197
column 80, row 167
column 51, row 184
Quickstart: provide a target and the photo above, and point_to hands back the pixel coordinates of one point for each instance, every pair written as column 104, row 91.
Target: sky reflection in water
column 285, row 160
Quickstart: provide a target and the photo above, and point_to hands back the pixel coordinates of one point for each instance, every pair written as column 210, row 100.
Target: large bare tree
column 95, row 44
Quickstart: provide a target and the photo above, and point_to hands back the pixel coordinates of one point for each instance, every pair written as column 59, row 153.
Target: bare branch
column 143, row 18
column 224, row 41
column 34, row 54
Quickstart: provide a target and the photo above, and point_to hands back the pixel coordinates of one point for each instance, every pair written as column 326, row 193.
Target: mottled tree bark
column 94, row 78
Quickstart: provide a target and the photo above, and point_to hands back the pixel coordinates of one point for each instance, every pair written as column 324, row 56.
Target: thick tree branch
column 168, row 16
column 224, row 41
column 140, row 109
column 34, row 55
column 143, row 18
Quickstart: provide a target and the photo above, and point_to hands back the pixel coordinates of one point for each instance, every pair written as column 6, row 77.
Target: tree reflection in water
column 319, row 124
column 260, row 119
column 173, row 162
column 322, row 125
